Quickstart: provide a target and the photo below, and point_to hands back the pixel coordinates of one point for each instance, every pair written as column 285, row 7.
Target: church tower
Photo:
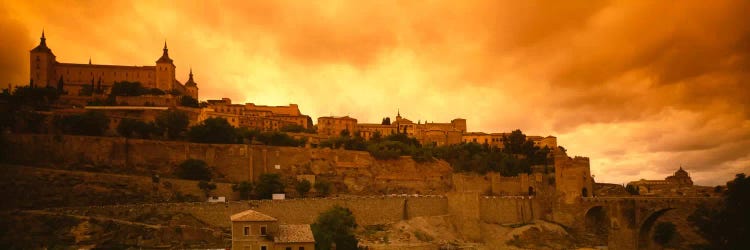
column 191, row 86
column 165, row 71
column 42, row 65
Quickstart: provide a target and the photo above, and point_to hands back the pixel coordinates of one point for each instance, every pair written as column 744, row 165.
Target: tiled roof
column 251, row 215
column 294, row 234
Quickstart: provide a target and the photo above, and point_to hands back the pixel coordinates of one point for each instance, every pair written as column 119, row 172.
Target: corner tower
column 42, row 65
column 191, row 86
column 165, row 71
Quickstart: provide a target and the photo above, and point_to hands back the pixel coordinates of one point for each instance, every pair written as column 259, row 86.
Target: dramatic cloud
column 641, row 87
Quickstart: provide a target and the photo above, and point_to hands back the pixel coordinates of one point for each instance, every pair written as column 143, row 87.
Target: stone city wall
column 509, row 209
column 354, row 172
column 368, row 210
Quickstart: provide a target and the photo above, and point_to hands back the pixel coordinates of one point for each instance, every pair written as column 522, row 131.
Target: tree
column 189, row 101
column 633, row 190
column 386, row 121
column 213, row 130
column 278, row 139
column 335, row 226
column 193, row 169
column 130, row 128
column 728, row 225
column 92, row 123
column 323, row 187
column 207, row 187
column 269, row 184
column 86, row 90
column 172, row 123
column 245, row 188
column 293, row 128
column 664, row 233
column 126, row 88
column 245, row 135
column 302, row 187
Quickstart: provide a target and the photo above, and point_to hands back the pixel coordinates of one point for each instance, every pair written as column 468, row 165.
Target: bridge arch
column 644, row 231
column 596, row 225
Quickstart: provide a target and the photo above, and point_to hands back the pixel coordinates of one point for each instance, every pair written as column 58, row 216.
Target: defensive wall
column 368, row 210
column 354, row 172
column 495, row 184
column 469, row 209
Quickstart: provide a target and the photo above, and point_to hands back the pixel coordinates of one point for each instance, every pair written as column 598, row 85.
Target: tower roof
column 165, row 55
column 190, row 82
column 42, row 47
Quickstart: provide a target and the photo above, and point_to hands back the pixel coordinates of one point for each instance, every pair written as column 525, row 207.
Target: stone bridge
column 627, row 222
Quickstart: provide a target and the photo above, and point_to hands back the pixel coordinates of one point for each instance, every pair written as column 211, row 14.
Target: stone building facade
column 427, row 133
column 264, row 118
column 252, row 230
column 46, row 71
column 678, row 183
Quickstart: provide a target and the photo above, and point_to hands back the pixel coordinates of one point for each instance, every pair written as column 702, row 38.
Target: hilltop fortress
column 564, row 194
column 46, row 71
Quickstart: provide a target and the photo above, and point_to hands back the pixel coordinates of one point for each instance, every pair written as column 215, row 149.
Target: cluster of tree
column 218, row 130
column 91, row 123
column 632, row 190
column 269, row 184
column 21, row 106
column 517, row 155
column 296, row 128
column 334, row 229
column 726, row 226
column 126, row 88
column 189, row 101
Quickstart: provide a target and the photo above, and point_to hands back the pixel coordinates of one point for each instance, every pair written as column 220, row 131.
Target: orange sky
column 641, row 87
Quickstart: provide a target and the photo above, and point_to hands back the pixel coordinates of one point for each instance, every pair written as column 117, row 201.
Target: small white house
column 217, row 199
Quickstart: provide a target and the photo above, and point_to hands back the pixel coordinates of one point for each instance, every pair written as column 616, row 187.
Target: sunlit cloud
column 641, row 87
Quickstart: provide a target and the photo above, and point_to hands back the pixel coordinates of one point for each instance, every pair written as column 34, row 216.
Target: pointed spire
column 43, row 40
column 89, row 60
column 165, row 56
column 190, row 81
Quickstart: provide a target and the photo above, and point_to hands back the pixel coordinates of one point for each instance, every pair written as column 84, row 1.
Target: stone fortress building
column 427, row 133
column 679, row 182
column 46, row 71
column 264, row 118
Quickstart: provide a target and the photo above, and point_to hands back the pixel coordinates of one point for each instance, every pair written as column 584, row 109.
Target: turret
column 165, row 71
column 191, row 86
column 42, row 65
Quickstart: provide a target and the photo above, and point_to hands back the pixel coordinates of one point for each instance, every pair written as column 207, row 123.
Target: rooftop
column 294, row 234
column 251, row 215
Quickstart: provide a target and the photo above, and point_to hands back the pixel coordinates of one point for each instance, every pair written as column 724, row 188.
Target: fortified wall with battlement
column 354, row 172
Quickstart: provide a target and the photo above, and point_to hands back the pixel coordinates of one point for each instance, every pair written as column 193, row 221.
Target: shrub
column 269, row 184
column 245, row 188
column 323, row 187
column 193, row 169
column 91, row 123
column 303, row 187
column 213, row 130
